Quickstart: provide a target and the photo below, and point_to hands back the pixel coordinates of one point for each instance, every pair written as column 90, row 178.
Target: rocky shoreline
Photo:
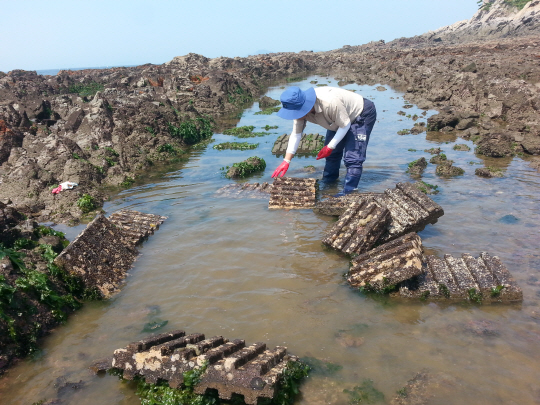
column 106, row 127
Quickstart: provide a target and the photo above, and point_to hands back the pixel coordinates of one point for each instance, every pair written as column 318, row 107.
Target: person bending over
column 348, row 118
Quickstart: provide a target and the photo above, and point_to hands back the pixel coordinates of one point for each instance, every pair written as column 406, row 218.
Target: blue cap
column 296, row 103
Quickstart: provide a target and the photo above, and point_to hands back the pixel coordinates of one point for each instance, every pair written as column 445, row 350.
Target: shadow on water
column 231, row 267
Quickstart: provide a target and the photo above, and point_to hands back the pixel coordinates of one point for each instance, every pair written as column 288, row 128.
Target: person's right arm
column 292, row 146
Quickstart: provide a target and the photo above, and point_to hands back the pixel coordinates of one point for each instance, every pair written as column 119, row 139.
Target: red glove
column 324, row 152
column 57, row 190
column 282, row 168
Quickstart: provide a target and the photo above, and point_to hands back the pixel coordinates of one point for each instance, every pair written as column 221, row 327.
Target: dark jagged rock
column 358, row 228
column 246, row 190
column 310, row 144
column 388, row 264
column 484, row 279
column 267, row 102
column 447, row 169
column 488, row 172
column 293, row 193
column 417, row 167
column 232, row 367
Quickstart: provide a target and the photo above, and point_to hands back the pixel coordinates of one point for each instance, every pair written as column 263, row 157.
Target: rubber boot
column 351, row 184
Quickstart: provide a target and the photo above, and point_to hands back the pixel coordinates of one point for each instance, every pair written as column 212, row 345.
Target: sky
column 50, row 34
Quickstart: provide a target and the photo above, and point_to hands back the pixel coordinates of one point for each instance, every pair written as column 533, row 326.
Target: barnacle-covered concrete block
column 136, row 225
column 231, row 367
column 388, row 264
column 292, row 192
column 335, row 206
column 411, row 210
column 359, row 228
column 310, row 144
column 245, row 190
column 101, row 255
column 105, row 250
column 483, row 279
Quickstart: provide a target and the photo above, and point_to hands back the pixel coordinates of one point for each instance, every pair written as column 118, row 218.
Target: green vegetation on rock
column 86, row 203
column 245, row 168
column 244, row 132
column 268, row 111
column 364, row 394
column 85, row 90
column 192, row 131
column 236, row 146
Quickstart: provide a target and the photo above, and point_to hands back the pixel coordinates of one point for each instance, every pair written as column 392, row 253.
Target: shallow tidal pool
column 231, row 267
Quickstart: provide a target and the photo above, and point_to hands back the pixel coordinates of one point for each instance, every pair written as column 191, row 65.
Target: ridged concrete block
column 136, row 225
column 293, row 193
column 245, row 190
column 335, row 206
column 388, row 264
column 359, row 228
column 231, row 367
column 105, row 250
column 484, row 279
column 310, row 144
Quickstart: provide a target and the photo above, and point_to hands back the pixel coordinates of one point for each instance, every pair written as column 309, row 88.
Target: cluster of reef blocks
column 378, row 232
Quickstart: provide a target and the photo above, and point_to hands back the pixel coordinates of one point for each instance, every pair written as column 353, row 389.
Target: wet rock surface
column 231, row 367
column 293, row 193
column 488, row 172
column 417, row 167
column 447, row 169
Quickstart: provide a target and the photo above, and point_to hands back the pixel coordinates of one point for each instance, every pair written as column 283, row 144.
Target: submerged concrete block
column 388, row 264
column 484, row 279
column 359, row 228
column 291, row 192
column 310, row 144
column 105, row 250
column 246, row 190
column 231, row 367
column 136, row 225
column 335, row 206
column 410, row 209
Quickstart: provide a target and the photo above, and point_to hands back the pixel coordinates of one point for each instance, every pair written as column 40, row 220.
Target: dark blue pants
column 352, row 148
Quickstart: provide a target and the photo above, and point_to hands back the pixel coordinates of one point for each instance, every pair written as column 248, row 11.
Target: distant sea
column 53, row 72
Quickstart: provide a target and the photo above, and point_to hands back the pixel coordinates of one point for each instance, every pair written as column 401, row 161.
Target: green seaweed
column 236, row 146
column 321, row 367
column 268, row 111
column 496, row 291
column 245, row 168
column 192, row 131
column 86, row 203
column 364, row 394
column 474, row 295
